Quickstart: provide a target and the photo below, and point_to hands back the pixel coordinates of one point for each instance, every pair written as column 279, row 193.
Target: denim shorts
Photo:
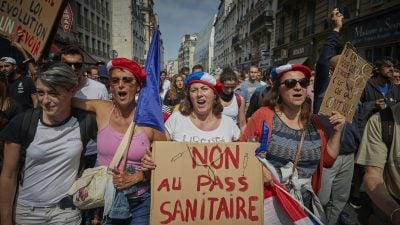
column 139, row 208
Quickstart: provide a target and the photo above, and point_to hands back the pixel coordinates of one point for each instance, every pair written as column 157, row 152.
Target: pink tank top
column 108, row 141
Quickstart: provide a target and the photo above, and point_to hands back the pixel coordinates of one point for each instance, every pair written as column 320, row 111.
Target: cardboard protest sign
column 34, row 18
column 346, row 84
column 206, row 183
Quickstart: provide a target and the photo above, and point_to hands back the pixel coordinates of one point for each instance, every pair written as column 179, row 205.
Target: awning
column 297, row 61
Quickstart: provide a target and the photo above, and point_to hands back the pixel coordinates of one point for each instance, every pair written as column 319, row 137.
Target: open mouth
column 297, row 95
column 201, row 102
column 122, row 93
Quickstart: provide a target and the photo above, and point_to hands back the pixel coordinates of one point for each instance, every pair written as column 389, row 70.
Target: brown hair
column 173, row 92
column 186, row 107
column 273, row 100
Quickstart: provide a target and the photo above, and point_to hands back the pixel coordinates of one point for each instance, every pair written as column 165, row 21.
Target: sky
column 180, row 17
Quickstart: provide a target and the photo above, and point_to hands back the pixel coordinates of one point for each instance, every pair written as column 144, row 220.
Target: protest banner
column 346, row 84
column 37, row 20
column 206, row 183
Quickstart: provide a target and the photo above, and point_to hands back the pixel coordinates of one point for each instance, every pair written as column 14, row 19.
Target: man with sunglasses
column 87, row 89
column 336, row 181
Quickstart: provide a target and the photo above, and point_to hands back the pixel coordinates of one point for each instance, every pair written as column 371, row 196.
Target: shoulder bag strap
column 123, row 147
column 296, row 159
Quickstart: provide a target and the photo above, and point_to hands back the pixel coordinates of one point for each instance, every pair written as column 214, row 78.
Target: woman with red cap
column 298, row 148
column 113, row 119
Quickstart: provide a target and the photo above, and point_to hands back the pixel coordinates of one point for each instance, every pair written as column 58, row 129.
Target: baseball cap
column 8, row 60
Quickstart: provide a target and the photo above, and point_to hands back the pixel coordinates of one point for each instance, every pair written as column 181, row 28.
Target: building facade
column 219, row 37
column 269, row 33
column 91, row 29
column 128, row 30
column 254, row 33
column 372, row 26
column 172, row 67
column 229, row 25
column 150, row 20
column 204, row 51
column 186, row 50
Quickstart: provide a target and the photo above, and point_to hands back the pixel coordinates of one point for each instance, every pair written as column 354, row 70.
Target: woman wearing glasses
column 298, row 147
column 113, row 119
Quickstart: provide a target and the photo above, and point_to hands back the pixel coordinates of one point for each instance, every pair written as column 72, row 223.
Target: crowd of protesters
column 325, row 160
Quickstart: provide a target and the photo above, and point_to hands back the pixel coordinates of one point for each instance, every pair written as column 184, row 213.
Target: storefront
column 377, row 35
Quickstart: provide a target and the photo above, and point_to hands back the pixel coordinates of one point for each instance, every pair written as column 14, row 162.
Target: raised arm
column 15, row 40
column 323, row 63
column 91, row 105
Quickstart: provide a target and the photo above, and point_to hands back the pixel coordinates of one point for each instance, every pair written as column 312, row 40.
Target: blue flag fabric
column 263, row 140
column 149, row 110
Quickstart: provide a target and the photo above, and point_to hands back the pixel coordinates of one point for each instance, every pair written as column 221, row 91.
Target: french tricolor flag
column 280, row 208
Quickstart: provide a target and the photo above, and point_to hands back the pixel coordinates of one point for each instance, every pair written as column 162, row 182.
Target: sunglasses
column 291, row 83
column 77, row 65
column 125, row 80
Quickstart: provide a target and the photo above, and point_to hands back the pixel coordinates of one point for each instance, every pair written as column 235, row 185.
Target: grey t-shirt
column 249, row 88
column 51, row 165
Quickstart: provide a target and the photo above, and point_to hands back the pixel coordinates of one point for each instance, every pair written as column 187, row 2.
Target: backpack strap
column 238, row 99
column 387, row 126
column 27, row 134
column 28, row 126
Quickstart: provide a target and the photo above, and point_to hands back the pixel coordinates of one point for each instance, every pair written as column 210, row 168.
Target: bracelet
column 28, row 60
column 394, row 212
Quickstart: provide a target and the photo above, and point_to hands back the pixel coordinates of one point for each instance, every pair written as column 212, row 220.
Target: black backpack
column 387, row 126
column 87, row 126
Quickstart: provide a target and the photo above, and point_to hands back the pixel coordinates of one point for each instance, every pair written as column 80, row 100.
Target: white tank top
column 232, row 110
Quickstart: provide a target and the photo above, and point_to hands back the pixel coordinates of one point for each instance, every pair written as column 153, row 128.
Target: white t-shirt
column 51, row 165
column 182, row 129
column 92, row 90
column 232, row 110
column 166, row 86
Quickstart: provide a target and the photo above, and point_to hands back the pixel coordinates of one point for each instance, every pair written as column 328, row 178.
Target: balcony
column 294, row 36
column 309, row 30
column 264, row 19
